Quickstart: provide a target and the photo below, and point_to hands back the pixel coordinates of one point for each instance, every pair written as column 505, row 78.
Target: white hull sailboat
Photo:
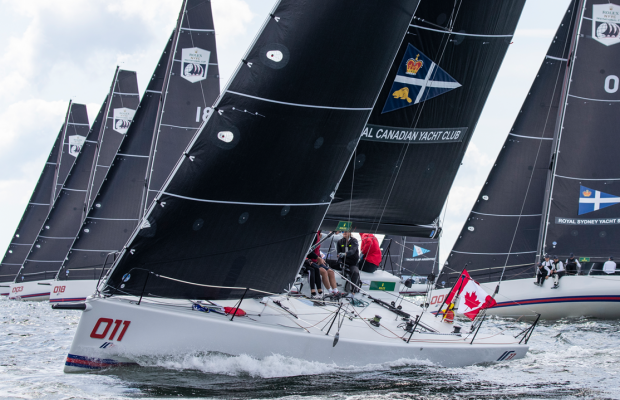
column 577, row 296
column 122, row 330
column 31, row 291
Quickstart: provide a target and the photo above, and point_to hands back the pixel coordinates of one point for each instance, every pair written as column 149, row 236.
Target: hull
column 5, row 288
column 71, row 291
column 577, row 296
column 116, row 331
column 31, row 291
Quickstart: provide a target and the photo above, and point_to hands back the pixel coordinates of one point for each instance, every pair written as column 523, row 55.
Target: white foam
column 274, row 366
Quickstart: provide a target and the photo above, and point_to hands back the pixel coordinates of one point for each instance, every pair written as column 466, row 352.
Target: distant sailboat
column 234, row 220
column 64, row 153
column 63, row 221
column 119, row 203
column 552, row 188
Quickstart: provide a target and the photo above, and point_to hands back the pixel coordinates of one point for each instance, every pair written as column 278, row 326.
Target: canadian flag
column 474, row 299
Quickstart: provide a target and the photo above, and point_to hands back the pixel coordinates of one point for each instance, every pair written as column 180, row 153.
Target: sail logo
column 594, row 200
column 194, row 64
column 122, row 119
column 75, row 144
column 413, row 66
column 418, row 79
column 606, row 23
column 418, row 251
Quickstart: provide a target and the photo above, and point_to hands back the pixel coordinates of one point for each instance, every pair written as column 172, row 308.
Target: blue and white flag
column 417, row 80
column 592, row 200
column 418, row 251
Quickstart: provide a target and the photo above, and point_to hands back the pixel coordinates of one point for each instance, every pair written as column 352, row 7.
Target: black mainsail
column 192, row 85
column 585, row 182
column 247, row 187
column 426, row 114
column 73, row 131
column 503, row 227
column 65, row 218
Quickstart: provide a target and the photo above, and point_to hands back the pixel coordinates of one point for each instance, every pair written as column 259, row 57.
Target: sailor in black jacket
column 349, row 254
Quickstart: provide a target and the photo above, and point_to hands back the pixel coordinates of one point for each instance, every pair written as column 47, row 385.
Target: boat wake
column 274, row 366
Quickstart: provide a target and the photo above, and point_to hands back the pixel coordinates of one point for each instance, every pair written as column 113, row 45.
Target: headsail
column 64, row 220
column 583, row 211
column 503, row 226
column 248, row 189
column 193, row 84
column 75, row 125
column 426, row 114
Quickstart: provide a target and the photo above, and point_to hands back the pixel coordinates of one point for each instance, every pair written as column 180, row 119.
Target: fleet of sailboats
column 162, row 220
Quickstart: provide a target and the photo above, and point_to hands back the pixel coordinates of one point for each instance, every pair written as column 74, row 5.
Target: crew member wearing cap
column 557, row 271
column 573, row 267
column 544, row 269
column 610, row 266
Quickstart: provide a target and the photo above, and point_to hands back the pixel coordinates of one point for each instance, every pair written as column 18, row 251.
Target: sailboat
column 552, row 189
column 59, row 162
column 226, row 235
column 146, row 154
column 413, row 259
column 62, row 225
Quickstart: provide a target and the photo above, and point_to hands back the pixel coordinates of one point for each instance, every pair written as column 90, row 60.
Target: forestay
column 243, row 205
column 61, row 158
column 503, row 227
column 425, row 116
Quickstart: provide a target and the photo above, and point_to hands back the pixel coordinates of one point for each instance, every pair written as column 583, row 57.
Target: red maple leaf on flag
column 471, row 300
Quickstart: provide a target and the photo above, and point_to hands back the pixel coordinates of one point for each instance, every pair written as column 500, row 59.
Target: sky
column 55, row 51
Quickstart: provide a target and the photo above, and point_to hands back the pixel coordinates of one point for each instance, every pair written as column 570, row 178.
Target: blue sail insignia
column 593, row 200
column 418, row 79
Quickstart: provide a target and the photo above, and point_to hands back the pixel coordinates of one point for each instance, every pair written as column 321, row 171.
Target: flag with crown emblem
column 474, row 299
column 593, row 200
column 417, row 80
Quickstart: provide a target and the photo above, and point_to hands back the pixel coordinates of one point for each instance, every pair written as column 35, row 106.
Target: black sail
column 248, row 187
column 193, row 84
column 426, row 114
column 65, row 218
column 583, row 212
column 409, row 256
column 117, row 207
column 503, row 227
column 125, row 100
column 75, row 131
column 75, row 124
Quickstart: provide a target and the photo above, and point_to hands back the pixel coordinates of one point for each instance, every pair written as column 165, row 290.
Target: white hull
column 72, row 291
column 577, row 296
column 159, row 328
column 31, row 291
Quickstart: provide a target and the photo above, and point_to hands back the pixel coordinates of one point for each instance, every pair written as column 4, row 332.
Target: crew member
column 573, row 267
column 557, row 271
column 544, row 269
column 610, row 266
column 371, row 253
column 349, row 256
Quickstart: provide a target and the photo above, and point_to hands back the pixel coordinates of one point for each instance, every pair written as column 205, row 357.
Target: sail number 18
column 103, row 325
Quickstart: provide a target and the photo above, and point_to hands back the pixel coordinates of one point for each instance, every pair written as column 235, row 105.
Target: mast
column 542, row 245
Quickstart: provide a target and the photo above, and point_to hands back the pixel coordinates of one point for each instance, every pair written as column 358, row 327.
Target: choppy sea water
column 568, row 359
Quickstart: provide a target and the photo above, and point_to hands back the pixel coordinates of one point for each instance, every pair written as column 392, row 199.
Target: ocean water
column 568, row 359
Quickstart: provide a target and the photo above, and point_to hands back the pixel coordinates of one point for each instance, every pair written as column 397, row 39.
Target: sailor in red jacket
column 371, row 253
